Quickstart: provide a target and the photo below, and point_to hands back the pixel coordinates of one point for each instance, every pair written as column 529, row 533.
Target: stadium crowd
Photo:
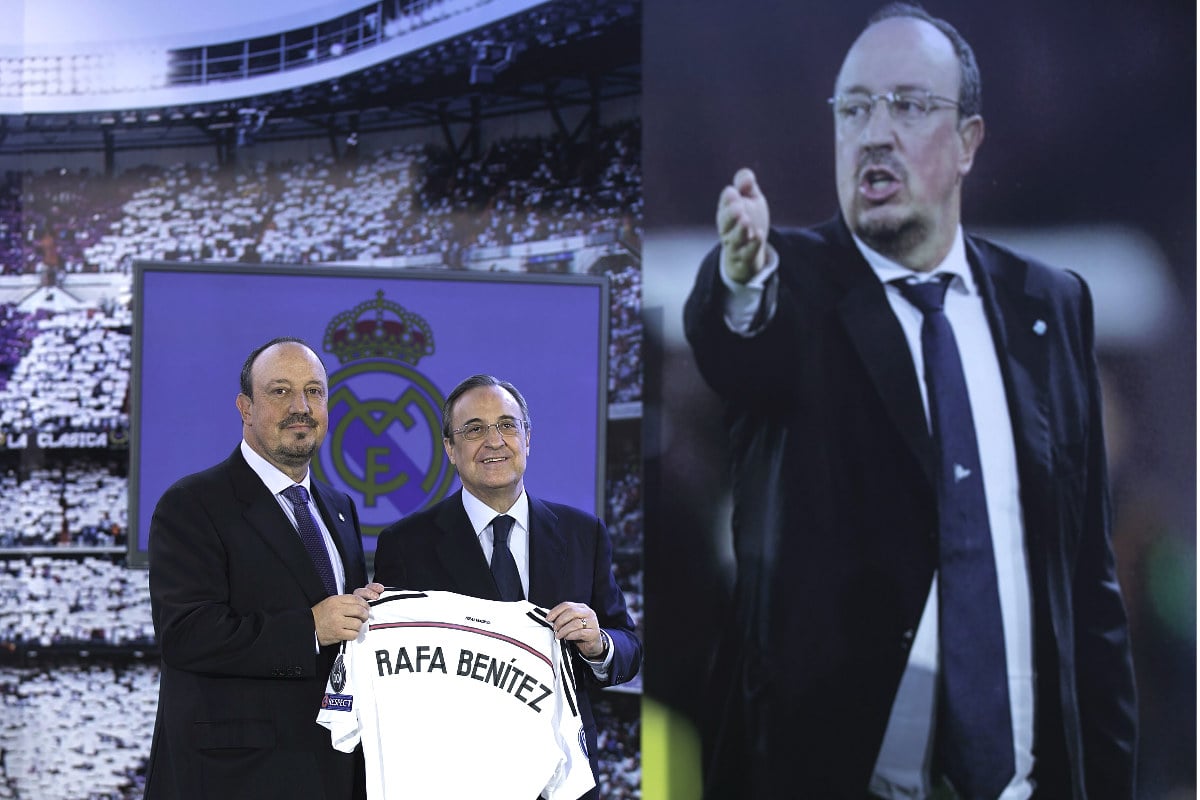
column 17, row 329
column 77, row 505
column 67, row 371
column 12, row 225
column 625, row 336
column 74, row 376
column 54, row 602
column 627, row 568
column 623, row 500
column 416, row 201
column 619, row 740
column 402, row 201
column 76, row 730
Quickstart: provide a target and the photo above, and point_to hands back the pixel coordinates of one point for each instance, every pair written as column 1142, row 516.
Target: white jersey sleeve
column 337, row 706
column 453, row 696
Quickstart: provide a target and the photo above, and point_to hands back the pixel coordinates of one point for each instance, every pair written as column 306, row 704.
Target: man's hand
column 339, row 618
column 577, row 623
column 369, row 592
column 742, row 223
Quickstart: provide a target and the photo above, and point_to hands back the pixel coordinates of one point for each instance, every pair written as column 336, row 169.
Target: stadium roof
column 67, row 26
column 548, row 57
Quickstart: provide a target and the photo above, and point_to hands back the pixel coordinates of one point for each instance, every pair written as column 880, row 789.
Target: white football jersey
column 453, row 696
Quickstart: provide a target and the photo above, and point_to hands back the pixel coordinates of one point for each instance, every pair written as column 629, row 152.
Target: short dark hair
column 247, row 387
column 970, row 85
column 474, row 382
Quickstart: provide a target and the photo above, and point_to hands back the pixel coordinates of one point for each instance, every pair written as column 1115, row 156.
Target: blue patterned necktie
column 310, row 534
column 975, row 731
column 504, row 568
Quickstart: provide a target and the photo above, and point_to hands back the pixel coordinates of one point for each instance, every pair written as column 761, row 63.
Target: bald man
column 250, row 565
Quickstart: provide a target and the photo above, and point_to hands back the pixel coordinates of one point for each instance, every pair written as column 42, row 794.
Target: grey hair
column 474, row 382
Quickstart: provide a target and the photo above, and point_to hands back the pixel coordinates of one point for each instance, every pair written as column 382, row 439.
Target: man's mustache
column 298, row 419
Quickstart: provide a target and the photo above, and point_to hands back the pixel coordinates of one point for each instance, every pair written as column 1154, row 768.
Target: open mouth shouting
column 878, row 183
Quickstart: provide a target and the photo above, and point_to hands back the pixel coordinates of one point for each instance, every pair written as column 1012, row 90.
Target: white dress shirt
column 481, row 516
column 277, row 482
column 902, row 768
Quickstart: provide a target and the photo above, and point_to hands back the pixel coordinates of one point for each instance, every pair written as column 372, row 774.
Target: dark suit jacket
column 835, row 514
column 231, row 590
column 570, row 558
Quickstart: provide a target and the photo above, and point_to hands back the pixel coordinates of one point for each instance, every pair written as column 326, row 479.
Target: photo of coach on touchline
column 926, row 600
column 554, row 555
column 250, row 562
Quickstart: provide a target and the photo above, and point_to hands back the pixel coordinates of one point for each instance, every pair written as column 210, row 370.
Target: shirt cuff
column 744, row 301
column 601, row 666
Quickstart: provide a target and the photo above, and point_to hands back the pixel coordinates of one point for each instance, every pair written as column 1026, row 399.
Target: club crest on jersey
column 337, row 675
column 337, row 702
column 385, row 431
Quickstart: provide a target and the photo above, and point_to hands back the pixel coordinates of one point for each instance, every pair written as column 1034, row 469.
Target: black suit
column 231, row 589
column 835, row 513
column 570, row 559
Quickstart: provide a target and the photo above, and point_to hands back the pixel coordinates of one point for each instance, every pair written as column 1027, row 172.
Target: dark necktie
column 310, row 534
column 975, row 722
column 504, row 568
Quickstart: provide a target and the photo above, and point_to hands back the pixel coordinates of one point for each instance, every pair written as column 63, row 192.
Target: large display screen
column 394, row 343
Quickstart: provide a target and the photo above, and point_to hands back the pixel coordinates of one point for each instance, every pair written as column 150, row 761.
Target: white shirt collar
column 270, row 474
column 481, row 514
column 955, row 263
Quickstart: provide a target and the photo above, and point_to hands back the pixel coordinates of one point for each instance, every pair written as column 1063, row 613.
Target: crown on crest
column 379, row 329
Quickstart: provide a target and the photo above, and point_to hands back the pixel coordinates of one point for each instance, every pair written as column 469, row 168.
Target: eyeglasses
column 477, row 430
column 908, row 107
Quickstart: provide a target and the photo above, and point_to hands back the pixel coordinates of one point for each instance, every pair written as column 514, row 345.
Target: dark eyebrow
column 274, row 382
column 904, row 87
column 501, row 418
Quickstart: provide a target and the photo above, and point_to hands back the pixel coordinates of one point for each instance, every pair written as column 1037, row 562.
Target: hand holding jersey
column 577, row 623
column 466, row 697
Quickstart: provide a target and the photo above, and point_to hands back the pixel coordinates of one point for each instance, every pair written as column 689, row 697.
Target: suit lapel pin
column 341, row 517
column 1039, row 327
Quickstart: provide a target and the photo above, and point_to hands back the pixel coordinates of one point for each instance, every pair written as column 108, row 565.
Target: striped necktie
column 310, row 534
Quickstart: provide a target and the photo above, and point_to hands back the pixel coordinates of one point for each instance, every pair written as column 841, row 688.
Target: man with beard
column 250, row 562
column 926, row 602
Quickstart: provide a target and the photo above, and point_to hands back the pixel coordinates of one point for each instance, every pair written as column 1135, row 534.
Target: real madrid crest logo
column 385, row 439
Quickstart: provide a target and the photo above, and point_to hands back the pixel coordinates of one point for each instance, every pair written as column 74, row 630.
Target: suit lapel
column 879, row 341
column 459, row 551
column 1019, row 322
column 262, row 512
column 547, row 556
column 340, row 522
column 1013, row 316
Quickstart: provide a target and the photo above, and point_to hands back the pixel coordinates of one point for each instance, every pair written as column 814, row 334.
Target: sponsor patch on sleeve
column 337, row 702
